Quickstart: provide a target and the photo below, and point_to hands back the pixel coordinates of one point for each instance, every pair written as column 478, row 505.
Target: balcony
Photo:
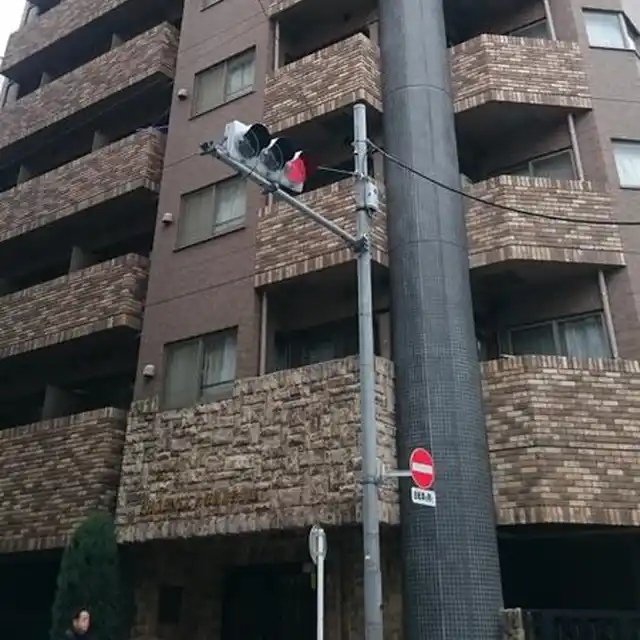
column 564, row 443
column 55, row 24
column 324, row 83
column 124, row 71
column 53, row 472
column 280, row 454
column 122, row 169
column 500, row 82
column 101, row 298
column 497, row 236
column 289, row 245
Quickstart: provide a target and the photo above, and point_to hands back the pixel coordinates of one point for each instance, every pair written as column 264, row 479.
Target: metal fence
column 582, row 625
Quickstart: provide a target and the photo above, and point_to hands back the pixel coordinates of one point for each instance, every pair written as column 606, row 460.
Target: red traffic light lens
column 298, row 170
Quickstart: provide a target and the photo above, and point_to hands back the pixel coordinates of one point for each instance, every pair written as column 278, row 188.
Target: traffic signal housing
column 273, row 158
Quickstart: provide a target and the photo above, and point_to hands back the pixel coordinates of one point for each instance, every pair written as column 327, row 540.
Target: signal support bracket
column 367, row 196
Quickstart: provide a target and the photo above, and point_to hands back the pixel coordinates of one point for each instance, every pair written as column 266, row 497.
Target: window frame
column 627, row 30
column 225, row 387
column 517, row 33
column 555, row 325
column 532, row 161
column 207, row 4
column 217, row 229
column 622, row 141
column 224, row 65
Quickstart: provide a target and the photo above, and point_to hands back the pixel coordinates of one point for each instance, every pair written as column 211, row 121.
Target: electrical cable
column 496, row 205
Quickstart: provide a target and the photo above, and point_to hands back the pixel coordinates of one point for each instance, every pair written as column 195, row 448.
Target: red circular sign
column 423, row 472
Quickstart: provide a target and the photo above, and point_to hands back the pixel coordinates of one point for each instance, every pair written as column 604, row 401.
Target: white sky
column 10, row 14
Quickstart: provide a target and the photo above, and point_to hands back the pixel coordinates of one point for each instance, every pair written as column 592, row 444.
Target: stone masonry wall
column 102, row 296
column 507, row 69
column 53, row 472
column 129, row 164
column 564, row 439
column 495, row 235
column 281, row 453
column 290, row 245
column 153, row 52
column 337, row 76
column 56, row 23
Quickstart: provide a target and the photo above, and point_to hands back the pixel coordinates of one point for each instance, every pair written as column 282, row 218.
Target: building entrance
column 268, row 602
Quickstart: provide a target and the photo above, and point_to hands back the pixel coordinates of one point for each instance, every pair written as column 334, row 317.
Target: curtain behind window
column 181, row 381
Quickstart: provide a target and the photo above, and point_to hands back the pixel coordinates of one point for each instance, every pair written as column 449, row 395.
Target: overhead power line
column 497, row 205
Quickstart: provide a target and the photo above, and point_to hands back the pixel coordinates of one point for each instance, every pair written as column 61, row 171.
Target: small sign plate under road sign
column 422, row 469
column 423, row 497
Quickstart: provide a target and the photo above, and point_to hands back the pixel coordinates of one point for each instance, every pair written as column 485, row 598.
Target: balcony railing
column 52, row 472
column 58, row 22
column 551, row 624
column 494, row 68
column 289, row 245
column 325, row 81
column 99, row 298
column 280, row 453
column 553, row 425
column 126, row 166
column 497, row 235
column 150, row 55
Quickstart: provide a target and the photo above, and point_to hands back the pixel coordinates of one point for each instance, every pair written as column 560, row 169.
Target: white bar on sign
column 422, row 468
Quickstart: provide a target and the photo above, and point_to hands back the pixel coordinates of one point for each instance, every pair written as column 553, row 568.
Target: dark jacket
column 70, row 634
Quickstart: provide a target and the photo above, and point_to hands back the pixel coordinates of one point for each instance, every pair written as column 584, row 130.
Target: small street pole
column 318, row 553
column 370, row 475
column 367, row 206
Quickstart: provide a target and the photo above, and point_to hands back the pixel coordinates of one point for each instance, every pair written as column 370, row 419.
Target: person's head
column 81, row 621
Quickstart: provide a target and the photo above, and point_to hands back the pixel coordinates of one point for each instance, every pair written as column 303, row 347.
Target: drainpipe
column 276, row 45
column 264, row 308
column 570, row 119
column 606, row 310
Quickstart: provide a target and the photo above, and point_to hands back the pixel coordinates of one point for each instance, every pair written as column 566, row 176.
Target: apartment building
column 179, row 349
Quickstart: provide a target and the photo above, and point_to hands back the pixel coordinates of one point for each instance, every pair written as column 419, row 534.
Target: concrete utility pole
column 255, row 141
column 452, row 588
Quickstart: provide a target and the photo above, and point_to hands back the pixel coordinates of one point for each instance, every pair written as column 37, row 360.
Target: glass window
column 538, row 29
column 211, row 211
column 577, row 337
column 200, row 370
column 557, row 166
column 606, row 29
column 223, row 82
column 627, row 157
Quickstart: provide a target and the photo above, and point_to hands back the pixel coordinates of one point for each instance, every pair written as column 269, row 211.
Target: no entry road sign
column 421, row 468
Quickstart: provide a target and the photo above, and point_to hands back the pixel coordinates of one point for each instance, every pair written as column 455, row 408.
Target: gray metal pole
column 370, row 507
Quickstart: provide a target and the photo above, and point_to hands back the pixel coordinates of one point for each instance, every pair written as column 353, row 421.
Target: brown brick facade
column 125, row 166
column 152, row 53
column 496, row 235
column 280, row 454
column 56, row 23
column 495, row 68
column 290, row 245
column 564, row 440
column 53, row 472
column 325, row 81
column 98, row 298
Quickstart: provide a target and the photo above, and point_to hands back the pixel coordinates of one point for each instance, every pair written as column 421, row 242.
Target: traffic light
column 275, row 159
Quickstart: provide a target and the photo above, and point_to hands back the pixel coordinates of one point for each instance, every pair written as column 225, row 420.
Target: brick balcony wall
column 495, row 68
column 290, row 245
column 101, row 297
column 153, row 52
column 495, row 235
column 52, row 473
column 327, row 80
column 124, row 166
column 564, row 438
column 280, row 454
column 53, row 25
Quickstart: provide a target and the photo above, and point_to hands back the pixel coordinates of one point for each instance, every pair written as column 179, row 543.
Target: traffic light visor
column 279, row 152
column 254, row 141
